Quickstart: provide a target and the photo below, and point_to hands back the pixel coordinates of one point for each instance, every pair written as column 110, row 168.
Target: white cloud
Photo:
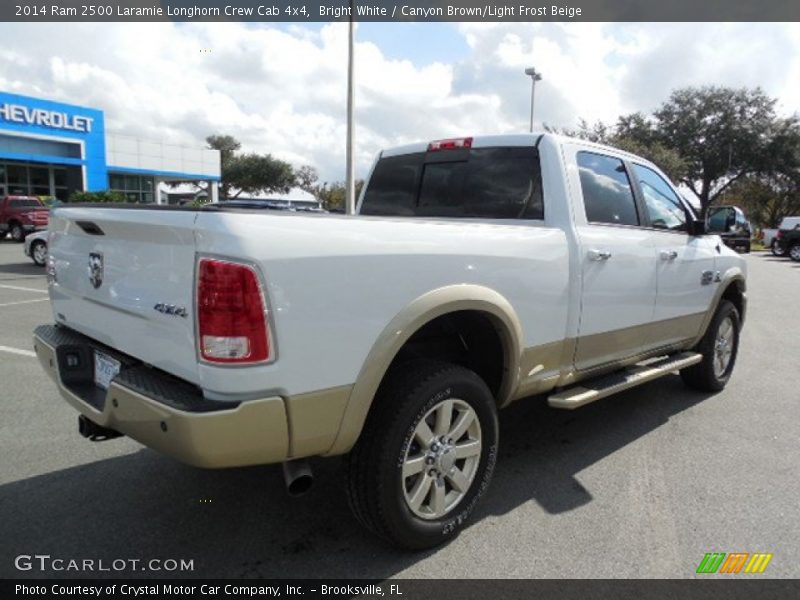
column 283, row 90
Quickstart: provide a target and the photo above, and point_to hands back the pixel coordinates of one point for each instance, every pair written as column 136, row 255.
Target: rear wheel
column 39, row 252
column 719, row 348
column 777, row 248
column 426, row 455
column 794, row 252
column 17, row 232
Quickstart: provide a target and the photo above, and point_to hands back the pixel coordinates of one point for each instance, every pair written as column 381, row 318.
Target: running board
column 594, row 389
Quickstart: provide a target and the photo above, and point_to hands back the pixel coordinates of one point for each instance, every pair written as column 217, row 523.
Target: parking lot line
column 17, row 351
column 24, row 302
column 21, row 289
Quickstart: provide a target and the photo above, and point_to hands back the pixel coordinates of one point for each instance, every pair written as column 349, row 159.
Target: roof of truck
column 509, row 139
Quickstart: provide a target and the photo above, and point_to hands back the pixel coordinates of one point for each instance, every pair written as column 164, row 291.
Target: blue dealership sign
column 79, row 130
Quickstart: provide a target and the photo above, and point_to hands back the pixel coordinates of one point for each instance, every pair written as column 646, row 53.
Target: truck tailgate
column 125, row 277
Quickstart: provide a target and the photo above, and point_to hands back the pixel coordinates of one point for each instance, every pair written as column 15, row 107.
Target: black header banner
column 399, row 11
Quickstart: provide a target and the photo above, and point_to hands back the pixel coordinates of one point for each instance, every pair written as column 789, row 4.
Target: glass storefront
column 21, row 179
column 137, row 188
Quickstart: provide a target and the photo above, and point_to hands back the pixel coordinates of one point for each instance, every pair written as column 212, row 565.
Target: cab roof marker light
column 450, row 144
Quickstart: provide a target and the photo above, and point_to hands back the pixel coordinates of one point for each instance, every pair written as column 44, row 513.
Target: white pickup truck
column 478, row 272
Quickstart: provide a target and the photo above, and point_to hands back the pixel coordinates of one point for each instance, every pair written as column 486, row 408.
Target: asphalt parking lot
column 638, row 485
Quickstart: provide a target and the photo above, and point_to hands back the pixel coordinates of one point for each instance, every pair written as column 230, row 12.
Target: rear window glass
column 489, row 183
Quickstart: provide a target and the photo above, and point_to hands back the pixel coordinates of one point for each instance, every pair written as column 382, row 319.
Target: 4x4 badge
column 95, row 269
column 171, row 309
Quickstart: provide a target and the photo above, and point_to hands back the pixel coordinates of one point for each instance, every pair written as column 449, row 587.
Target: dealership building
column 48, row 148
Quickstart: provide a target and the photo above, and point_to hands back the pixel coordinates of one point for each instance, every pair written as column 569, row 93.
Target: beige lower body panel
column 255, row 432
column 546, row 367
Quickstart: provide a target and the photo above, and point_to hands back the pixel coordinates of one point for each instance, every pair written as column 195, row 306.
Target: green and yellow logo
column 736, row 562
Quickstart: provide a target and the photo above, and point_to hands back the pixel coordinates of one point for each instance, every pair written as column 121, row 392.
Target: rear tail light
column 450, row 144
column 779, row 235
column 232, row 323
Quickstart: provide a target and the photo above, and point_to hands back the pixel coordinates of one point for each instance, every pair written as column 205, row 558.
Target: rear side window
column 392, row 188
column 488, row 183
column 607, row 193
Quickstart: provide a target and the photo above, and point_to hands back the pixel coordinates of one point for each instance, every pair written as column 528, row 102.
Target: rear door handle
column 669, row 255
column 599, row 255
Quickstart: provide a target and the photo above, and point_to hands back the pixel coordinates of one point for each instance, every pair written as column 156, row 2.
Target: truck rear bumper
column 160, row 411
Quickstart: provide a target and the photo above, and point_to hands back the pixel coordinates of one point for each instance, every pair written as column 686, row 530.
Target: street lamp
column 350, row 177
column 535, row 76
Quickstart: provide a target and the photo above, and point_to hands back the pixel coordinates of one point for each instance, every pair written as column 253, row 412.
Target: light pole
column 535, row 76
column 350, row 184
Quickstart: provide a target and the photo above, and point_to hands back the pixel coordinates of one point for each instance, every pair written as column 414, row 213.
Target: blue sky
column 282, row 88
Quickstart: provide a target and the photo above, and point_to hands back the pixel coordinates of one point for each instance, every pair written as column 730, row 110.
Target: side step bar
column 594, row 389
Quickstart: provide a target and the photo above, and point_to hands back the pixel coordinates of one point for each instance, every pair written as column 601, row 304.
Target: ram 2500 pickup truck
column 479, row 271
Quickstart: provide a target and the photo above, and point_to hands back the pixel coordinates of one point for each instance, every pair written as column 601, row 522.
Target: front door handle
column 669, row 255
column 599, row 255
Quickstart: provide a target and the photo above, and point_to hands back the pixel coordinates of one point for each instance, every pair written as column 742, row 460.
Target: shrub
column 105, row 196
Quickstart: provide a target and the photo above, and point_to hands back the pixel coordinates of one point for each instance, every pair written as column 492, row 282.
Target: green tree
column 332, row 195
column 634, row 134
column 724, row 135
column 249, row 173
column 307, row 178
column 765, row 199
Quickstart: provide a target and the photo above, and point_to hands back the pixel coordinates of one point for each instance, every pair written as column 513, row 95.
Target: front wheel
column 794, row 252
column 719, row 348
column 426, row 454
column 39, row 252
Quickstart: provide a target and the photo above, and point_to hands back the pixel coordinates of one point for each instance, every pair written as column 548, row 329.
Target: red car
column 21, row 215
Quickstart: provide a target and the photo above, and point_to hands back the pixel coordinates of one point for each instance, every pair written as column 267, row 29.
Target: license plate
column 105, row 368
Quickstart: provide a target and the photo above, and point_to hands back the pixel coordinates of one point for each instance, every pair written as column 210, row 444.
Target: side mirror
column 696, row 226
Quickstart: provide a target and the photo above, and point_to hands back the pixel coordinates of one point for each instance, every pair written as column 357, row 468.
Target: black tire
column 794, row 252
column 17, row 233
column 376, row 488
column 777, row 249
column 747, row 248
column 704, row 376
column 38, row 244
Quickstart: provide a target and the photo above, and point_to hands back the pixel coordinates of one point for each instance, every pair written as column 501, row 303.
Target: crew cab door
column 685, row 264
column 617, row 263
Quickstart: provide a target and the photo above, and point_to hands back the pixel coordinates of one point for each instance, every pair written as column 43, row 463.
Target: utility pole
column 535, row 76
column 350, row 182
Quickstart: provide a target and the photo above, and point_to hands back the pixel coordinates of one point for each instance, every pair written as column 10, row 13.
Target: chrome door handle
column 599, row 255
column 669, row 255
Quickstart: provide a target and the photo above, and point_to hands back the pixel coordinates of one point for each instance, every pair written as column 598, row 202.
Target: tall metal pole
column 350, row 183
column 533, row 95
column 535, row 76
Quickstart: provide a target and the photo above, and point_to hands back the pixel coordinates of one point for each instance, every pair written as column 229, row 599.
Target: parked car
column 778, row 247
column 789, row 240
column 20, row 215
column 36, row 247
column 731, row 224
column 480, row 271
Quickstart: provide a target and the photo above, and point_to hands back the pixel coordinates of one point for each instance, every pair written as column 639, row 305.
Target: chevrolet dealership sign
column 24, row 115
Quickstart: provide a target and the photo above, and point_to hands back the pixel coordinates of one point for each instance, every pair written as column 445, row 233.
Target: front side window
column 664, row 208
column 607, row 192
